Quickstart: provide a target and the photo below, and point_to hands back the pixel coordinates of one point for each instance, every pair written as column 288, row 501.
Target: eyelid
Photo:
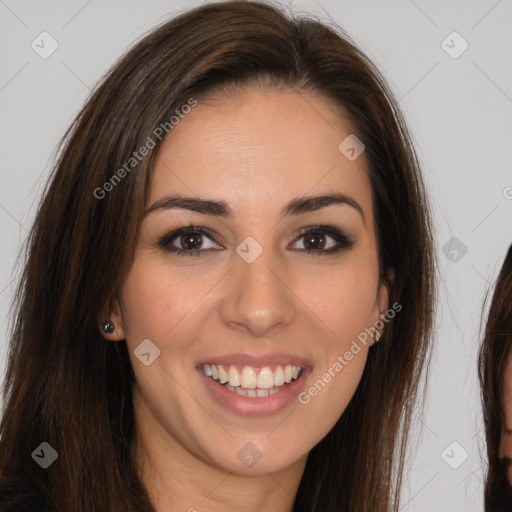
column 323, row 227
column 343, row 239
column 164, row 240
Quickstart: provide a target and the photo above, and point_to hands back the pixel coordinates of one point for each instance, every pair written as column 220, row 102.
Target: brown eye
column 323, row 240
column 189, row 241
column 314, row 240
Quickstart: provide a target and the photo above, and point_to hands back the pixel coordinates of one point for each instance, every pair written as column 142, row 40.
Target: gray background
column 458, row 109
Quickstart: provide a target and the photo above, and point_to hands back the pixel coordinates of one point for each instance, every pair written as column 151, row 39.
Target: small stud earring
column 108, row 327
column 377, row 336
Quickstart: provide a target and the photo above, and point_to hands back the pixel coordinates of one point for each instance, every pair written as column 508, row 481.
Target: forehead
column 260, row 144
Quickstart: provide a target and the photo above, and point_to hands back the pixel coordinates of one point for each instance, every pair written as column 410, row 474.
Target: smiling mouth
column 252, row 382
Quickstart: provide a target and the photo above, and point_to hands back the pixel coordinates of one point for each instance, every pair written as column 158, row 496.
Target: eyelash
column 344, row 240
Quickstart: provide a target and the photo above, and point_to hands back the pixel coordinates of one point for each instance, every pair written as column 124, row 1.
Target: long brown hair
column 67, row 386
column 494, row 352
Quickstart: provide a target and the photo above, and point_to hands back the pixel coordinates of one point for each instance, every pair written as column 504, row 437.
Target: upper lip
column 257, row 360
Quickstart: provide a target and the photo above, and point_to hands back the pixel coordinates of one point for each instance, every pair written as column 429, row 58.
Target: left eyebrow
column 222, row 209
column 311, row 204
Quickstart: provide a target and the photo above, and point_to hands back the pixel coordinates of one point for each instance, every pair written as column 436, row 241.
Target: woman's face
column 245, row 294
column 506, row 436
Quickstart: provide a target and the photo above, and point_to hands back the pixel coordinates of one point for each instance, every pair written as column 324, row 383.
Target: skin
column 256, row 150
column 505, row 450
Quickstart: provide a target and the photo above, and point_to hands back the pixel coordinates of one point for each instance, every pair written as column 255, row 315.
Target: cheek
column 156, row 298
column 344, row 299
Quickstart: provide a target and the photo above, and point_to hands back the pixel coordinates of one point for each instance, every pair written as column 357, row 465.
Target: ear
column 114, row 315
column 382, row 303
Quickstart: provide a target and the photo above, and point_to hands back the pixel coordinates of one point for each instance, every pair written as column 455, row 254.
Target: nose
column 259, row 298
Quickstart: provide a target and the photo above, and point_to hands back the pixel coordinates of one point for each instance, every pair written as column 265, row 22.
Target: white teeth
column 266, row 378
column 278, row 376
column 249, row 379
column 253, row 383
column 240, row 391
column 223, row 376
column 233, row 377
column 253, row 393
column 288, row 373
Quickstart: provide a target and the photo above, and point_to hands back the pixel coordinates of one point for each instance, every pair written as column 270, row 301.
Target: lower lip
column 257, row 406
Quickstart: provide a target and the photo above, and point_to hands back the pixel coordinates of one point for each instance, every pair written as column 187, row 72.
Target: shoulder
column 17, row 496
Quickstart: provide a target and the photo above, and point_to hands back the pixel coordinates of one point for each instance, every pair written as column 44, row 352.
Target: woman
column 495, row 373
column 229, row 290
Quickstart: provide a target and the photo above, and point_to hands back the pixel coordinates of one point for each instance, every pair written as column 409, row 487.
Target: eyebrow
column 222, row 209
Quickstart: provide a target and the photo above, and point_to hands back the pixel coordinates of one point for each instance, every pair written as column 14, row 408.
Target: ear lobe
column 113, row 319
column 383, row 294
column 382, row 303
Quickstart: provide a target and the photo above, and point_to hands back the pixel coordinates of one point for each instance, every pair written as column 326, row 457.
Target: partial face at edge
column 506, row 436
column 257, row 152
